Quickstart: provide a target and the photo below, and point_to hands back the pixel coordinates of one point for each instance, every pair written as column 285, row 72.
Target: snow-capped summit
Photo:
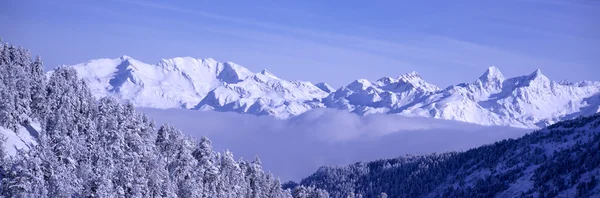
column 529, row 101
column 364, row 97
column 536, row 79
column 176, row 82
column 185, row 82
column 360, row 84
column 416, row 82
column 263, row 94
column 233, row 73
column 492, row 74
column 410, row 76
column 490, row 82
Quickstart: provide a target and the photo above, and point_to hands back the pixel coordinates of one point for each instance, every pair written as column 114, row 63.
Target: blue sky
column 447, row 42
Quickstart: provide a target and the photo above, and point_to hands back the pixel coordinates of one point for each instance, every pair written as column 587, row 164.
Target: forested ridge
column 91, row 148
column 562, row 160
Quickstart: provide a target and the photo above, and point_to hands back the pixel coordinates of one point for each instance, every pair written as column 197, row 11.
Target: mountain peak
column 233, row 73
column 492, row 74
column 325, row 87
column 264, row 76
column 359, row 84
column 410, row 76
column 537, row 76
column 536, row 73
column 125, row 57
column 414, row 80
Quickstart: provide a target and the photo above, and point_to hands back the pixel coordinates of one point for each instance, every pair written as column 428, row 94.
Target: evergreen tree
column 207, row 167
column 231, row 180
column 38, row 83
column 26, row 176
column 7, row 108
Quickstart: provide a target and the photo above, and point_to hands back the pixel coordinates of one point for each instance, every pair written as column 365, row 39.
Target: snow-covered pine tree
column 8, row 93
column 207, row 167
column 21, row 73
column 37, row 84
column 180, row 163
column 6, row 107
column 3, row 162
column 231, row 181
column 187, row 174
column 26, row 176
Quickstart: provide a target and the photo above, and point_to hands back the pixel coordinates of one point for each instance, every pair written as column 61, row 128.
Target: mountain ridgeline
column 102, row 148
column 528, row 101
column 562, row 160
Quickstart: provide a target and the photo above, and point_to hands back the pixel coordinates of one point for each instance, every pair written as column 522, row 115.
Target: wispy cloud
column 288, row 11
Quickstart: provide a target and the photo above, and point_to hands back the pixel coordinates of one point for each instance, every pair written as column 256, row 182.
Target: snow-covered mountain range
column 529, row 101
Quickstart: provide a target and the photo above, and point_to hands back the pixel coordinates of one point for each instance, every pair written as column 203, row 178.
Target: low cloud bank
column 294, row 148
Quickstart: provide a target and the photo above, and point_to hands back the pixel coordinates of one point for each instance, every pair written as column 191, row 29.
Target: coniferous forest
column 102, row 148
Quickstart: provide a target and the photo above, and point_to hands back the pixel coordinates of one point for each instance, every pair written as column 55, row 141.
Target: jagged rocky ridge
column 529, row 101
column 562, row 160
column 82, row 147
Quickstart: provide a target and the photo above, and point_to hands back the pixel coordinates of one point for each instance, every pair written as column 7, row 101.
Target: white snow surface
column 204, row 84
column 21, row 139
column 528, row 101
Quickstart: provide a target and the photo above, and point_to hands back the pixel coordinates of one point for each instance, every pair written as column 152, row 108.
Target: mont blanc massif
column 74, row 131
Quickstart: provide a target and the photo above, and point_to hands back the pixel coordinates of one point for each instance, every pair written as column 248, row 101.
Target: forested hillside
column 90, row 148
column 562, row 160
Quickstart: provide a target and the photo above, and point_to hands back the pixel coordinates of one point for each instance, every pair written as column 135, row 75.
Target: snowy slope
column 365, row 97
column 177, row 82
column 21, row 139
column 325, row 87
column 197, row 83
column 264, row 94
column 529, row 101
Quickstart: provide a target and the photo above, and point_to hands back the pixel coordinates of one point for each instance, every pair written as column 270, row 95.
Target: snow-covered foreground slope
column 294, row 148
column 562, row 160
column 529, row 101
column 21, row 139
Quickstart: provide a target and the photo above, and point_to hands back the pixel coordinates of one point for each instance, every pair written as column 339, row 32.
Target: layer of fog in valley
column 294, row 148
